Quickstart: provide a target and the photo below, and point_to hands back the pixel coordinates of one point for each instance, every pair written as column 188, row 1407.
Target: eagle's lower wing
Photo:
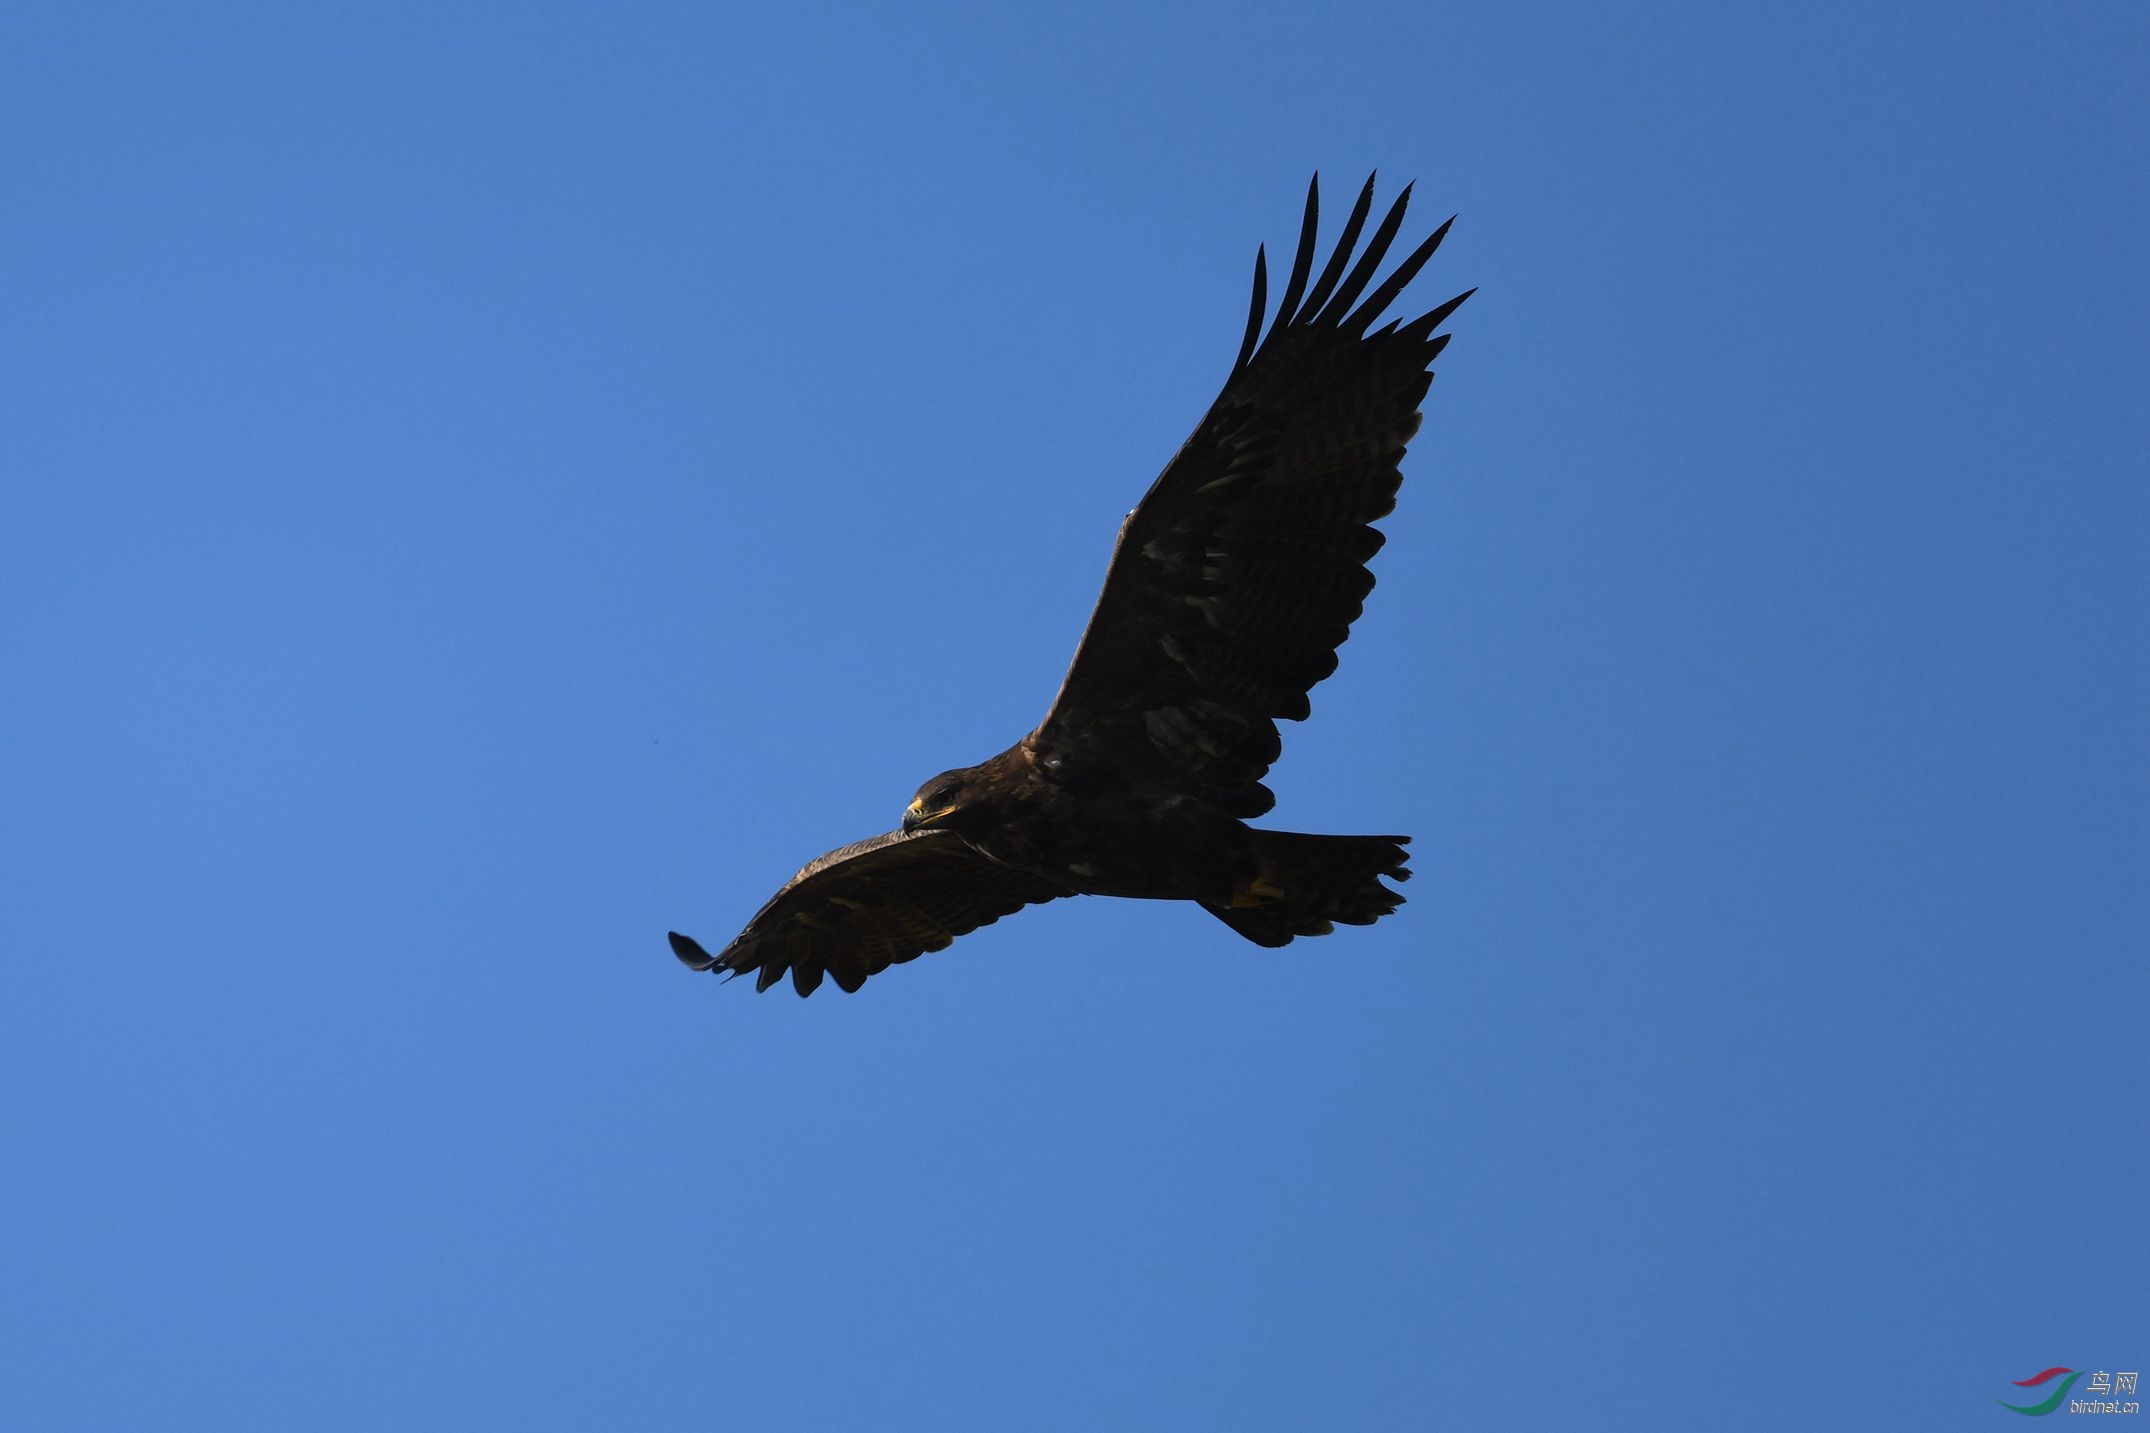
column 867, row 906
column 1244, row 566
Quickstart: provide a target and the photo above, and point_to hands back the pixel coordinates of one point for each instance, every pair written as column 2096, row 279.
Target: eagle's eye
column 946, row 796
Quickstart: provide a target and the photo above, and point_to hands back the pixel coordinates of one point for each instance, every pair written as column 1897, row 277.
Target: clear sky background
column 486, row 484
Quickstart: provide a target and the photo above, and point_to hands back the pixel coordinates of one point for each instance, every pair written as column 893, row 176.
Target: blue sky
column 484, row 485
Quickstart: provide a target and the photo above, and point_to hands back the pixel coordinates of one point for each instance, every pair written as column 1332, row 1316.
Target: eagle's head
column 939, row 799
column 973, row 800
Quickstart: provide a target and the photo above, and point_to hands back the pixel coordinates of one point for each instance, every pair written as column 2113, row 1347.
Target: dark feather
column 1302, row 262
column 1345, row 242
column 1345, row 297
column 1255, row 308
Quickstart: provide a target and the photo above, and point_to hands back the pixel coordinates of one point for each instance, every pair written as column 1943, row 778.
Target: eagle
column 1231, row 586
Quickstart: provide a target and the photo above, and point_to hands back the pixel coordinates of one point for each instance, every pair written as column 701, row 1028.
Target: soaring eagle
column 1232, row 584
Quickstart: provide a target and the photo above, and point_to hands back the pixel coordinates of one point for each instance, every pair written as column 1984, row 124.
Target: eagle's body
column 1233, row 583
column 1098, row 832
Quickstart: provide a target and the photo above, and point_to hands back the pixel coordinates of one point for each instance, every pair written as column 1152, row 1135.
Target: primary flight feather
column 1232, row 584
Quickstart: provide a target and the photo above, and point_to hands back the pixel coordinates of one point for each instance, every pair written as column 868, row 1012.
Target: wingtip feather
column 1339, row 306
column 1347, row 241
column 1302, row 262
column 690, row 951
column 1256, row 308
column 1378, row 301
column 1440, row 315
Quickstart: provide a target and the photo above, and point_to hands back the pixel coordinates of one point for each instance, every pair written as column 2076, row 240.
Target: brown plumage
column 1232, row 584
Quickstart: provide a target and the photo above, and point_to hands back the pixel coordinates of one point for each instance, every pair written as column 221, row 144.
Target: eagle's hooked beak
column 916, row 816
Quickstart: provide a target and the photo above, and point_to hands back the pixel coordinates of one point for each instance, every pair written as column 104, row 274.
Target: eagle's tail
column 1306, row 884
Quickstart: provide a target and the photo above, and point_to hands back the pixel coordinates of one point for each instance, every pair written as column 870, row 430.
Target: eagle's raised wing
column 1244, row 566
column 867, row 906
